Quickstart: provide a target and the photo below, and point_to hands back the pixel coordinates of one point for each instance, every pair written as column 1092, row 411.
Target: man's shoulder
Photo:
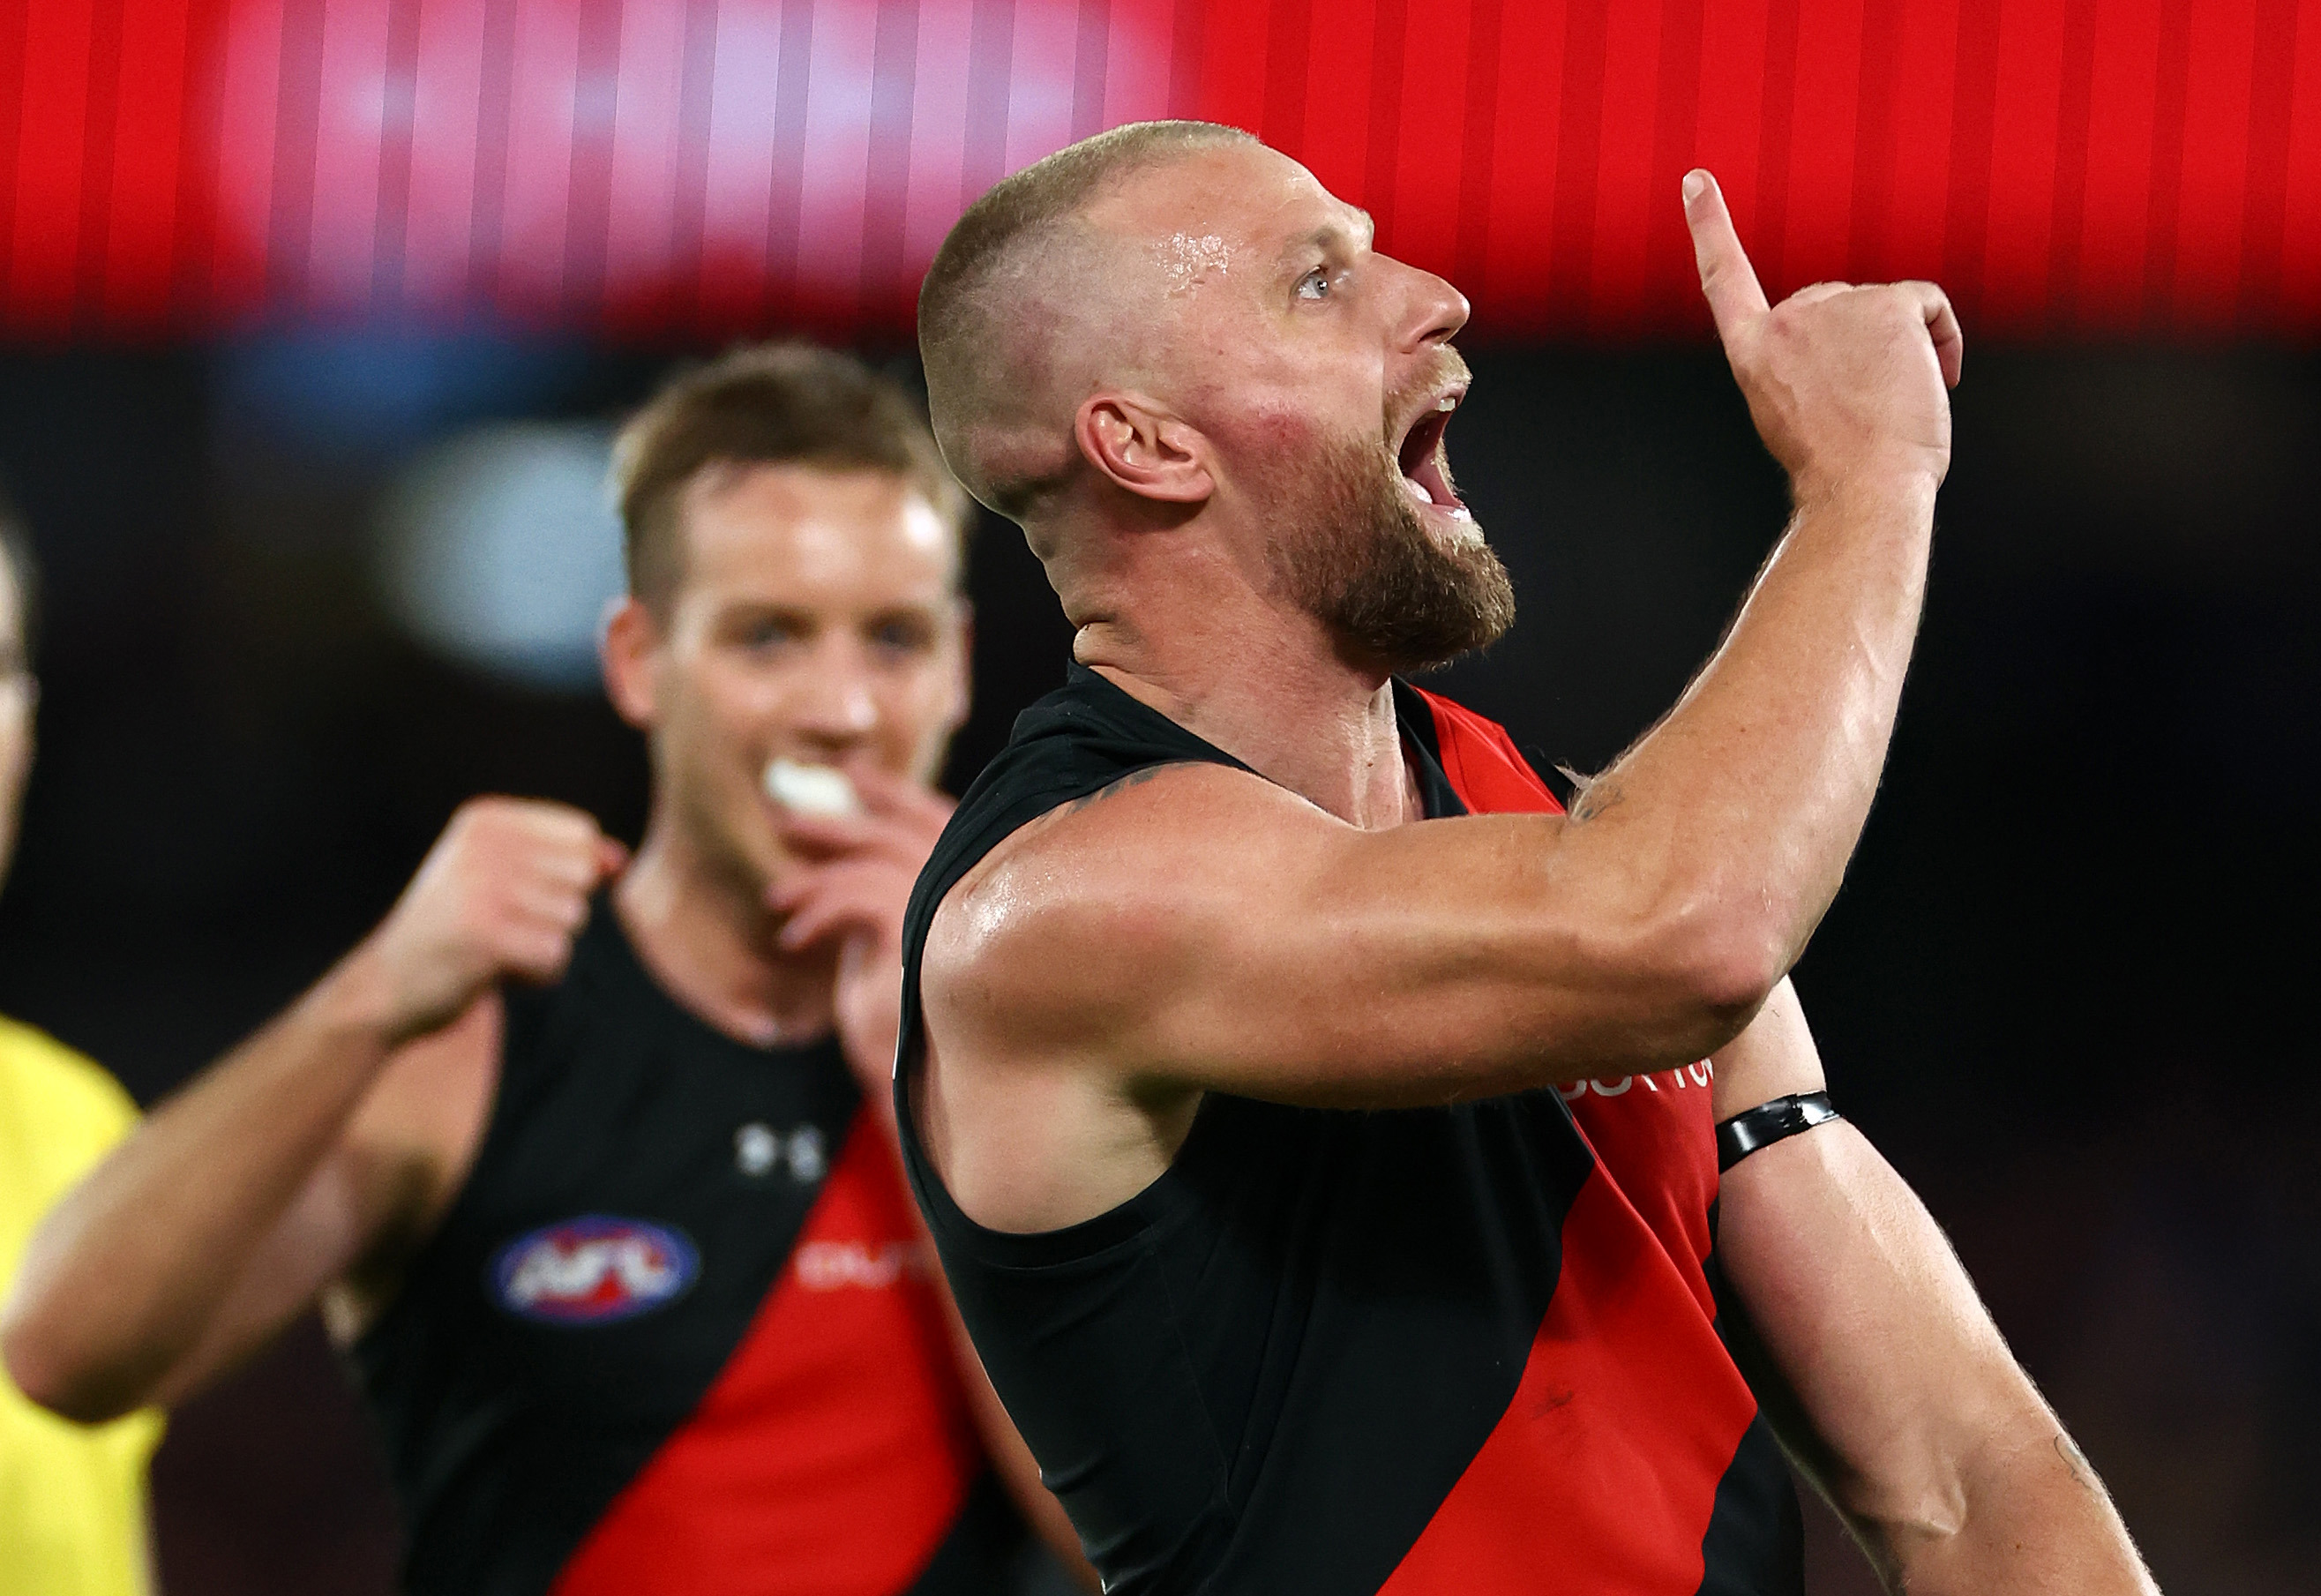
column 1072, row 752
column 1090, row 847
column 1110, row 883
column 1079, row 739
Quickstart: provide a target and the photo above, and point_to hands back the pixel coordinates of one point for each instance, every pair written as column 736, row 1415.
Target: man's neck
column 1266, row 685
column 712, row 944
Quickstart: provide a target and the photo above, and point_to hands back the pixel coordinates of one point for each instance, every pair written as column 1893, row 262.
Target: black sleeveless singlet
column 1436, row 1351
column 675, row 1333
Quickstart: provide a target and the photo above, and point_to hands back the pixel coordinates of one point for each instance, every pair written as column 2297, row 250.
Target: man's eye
column 768, row 634
column 903, row 637
column 1315, row 284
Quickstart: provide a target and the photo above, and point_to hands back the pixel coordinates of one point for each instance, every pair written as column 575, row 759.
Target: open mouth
column 1425, row 470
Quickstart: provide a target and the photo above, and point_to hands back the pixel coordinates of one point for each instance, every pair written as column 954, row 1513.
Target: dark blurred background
column 319, row 567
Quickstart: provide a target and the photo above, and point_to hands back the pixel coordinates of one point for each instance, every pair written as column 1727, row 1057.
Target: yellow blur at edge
column 72, row 1500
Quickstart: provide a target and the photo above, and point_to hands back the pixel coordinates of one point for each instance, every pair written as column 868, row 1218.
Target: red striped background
column 688, row 168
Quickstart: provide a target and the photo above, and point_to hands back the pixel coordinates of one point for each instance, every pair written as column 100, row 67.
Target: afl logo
column 593, row 1270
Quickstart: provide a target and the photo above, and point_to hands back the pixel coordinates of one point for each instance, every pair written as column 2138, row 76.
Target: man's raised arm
column 1204, row 929
column 292, row 1160
column 1737, row 814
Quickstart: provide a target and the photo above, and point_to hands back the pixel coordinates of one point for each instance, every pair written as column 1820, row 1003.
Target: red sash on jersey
column 1602, row 1473
column 833, row 1452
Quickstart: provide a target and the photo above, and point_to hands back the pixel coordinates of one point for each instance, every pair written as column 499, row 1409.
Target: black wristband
column 1769, row 1123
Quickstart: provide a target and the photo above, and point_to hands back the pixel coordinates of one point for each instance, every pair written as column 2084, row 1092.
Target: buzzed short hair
column 776, row 404
column 957, row 313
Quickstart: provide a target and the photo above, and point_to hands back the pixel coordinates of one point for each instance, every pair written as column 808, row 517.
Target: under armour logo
column 759, row 1148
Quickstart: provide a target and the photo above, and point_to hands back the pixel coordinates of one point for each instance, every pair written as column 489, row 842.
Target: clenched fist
column 1845, row 383
column 502, row 894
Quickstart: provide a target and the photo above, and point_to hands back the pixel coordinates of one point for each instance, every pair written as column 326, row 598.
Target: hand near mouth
column 852, row 888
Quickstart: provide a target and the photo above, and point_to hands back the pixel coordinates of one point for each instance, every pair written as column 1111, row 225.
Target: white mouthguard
column 811, row 790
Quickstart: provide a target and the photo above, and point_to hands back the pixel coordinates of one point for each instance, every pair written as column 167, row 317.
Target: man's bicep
column 1210, row 931
column 1431, row 963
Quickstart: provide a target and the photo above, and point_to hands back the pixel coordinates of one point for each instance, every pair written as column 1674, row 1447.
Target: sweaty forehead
column 1223, row 210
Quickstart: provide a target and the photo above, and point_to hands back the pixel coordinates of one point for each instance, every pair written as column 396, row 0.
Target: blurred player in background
column 72, row 1498
column 589, row 1162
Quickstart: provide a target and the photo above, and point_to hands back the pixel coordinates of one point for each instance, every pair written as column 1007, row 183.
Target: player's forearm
column 124, row 1277
column 1882, row 1368
column 1729, row 825
column 2034, row 1519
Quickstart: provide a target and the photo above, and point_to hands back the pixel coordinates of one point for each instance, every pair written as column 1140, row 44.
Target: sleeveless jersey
column 1430, row 1352
column 676, row 1333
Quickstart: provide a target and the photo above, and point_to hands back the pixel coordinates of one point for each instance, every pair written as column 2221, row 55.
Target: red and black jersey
column 1428, row 1352
column 677, row 1334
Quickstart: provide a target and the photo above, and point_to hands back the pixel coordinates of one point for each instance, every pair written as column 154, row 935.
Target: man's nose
column 836, row 705
column 1433, row 311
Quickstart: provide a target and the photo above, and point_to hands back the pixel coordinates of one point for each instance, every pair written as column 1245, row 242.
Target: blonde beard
column 1353, row 552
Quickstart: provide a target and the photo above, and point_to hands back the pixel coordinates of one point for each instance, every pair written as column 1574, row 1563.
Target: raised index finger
column 1726, row 277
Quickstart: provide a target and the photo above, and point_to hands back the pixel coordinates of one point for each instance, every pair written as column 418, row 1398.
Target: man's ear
column 1143, row 449
column 626, row 646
